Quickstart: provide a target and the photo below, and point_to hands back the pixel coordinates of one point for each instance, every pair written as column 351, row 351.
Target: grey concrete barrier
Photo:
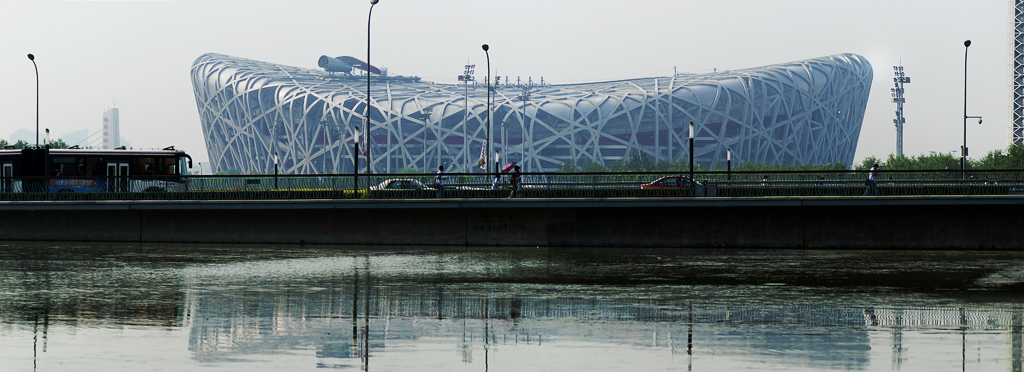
column 781, row 222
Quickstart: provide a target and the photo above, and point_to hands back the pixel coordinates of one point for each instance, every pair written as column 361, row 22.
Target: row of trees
column 22, row 144
column 1011, row 158
column 644, row 162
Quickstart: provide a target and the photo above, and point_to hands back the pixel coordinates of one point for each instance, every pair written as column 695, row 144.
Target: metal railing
column 534, row 185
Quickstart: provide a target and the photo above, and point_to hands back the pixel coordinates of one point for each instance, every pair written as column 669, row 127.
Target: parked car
column 402, row 184
column 668, row 182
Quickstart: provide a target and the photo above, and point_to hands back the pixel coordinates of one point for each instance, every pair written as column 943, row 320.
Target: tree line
column 22, row 144
column 1011, row 158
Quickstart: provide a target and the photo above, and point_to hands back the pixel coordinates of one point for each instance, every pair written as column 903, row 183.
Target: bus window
column 6, row 177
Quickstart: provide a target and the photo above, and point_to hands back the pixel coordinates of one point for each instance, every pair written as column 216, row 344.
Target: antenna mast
column 897, row 98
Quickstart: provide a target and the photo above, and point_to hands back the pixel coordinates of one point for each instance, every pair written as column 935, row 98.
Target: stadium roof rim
column 723, row 74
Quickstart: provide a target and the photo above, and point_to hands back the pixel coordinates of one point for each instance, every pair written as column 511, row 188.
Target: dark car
column 668, row 182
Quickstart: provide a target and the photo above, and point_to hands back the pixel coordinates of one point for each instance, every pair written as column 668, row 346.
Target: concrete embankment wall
column 785, row 222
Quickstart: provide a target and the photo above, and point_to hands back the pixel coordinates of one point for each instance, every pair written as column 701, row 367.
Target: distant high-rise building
column 111, row 129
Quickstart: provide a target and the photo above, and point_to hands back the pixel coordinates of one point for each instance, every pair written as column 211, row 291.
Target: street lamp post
column 425, row 117
column 522, row 141
column 728, row 163
column 323, row 166
column 33, row 59
column 366, row 116
column 355, row 160
column 275, row 170
column 466, row 78
column 488, row 140
column 691, row 151
column 963, row 149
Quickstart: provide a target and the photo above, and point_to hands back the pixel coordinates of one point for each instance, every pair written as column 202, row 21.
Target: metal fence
column 534, row 185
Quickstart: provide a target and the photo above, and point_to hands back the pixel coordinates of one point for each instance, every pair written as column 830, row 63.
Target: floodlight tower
column 467, row 78
column 897, row 98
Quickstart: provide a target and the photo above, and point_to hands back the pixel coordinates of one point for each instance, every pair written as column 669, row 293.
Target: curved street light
column 33, row 59
column 963, row 149
column 488, row 141
column 366, row 116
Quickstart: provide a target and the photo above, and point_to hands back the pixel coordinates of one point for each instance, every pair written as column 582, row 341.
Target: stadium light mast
column 691, row 152
column 425, row 117
column 488, row 140
column 33, row 59
column 728, row 162
column 963, row 149
column 525, row 96
column 898, row 99
column 366, row 117
column 466, row 77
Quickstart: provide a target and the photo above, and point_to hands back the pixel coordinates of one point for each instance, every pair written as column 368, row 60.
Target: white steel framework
column 804, row 112
column 1017, row 74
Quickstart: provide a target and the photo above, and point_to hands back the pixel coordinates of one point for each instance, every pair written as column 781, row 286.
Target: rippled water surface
column 118, row 307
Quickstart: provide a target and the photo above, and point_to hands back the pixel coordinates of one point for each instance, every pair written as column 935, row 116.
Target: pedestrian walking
column 516, row 184
column 439, row 181
column 870, row 182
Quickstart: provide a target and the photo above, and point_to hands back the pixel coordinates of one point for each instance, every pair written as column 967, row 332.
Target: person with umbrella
column 516, row 184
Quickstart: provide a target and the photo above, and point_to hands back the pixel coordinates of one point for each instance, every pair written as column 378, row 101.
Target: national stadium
column 802, row 112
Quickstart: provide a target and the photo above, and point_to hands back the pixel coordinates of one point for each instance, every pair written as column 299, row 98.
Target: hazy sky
column 93, row 55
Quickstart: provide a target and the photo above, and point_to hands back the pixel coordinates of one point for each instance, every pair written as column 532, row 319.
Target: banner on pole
column 482, row 163
column 365, row 143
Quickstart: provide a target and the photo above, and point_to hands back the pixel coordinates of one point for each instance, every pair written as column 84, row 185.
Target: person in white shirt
column 872, row 186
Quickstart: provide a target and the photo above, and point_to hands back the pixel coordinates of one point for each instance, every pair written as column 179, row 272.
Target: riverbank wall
column 969, row 222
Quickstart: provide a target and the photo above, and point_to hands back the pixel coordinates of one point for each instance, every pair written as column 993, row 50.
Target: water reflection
column 125, row 307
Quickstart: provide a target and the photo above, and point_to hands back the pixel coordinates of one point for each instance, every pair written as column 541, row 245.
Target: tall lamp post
column 691, row 151
column 963, row 149
column 466, row 77
column 323, row 127
column 275, row 170
column 425, row 116
column 33, row 59
column 728, row 163
column 366, row 116
column 488, row 141
column 355, row 159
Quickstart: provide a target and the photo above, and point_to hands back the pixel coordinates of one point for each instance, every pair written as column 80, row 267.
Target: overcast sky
column 136, row 55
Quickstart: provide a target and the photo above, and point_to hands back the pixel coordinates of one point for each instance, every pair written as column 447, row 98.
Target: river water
column 133, row 307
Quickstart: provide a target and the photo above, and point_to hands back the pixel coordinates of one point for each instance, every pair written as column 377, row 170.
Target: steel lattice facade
column 804, row 112
column 1017, row 73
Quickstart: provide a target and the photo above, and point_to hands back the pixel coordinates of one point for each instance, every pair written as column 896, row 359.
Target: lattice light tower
column 897, row 98
column 466, row 78
column 1017, row 54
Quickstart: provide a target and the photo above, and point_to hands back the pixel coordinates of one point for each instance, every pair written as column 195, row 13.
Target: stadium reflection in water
column 115, row 307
